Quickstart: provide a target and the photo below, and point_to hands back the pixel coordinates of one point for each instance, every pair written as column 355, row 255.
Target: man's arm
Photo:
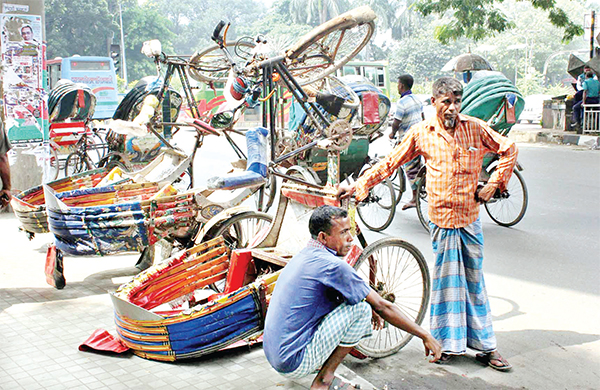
column 394, row 316
column 395, row 128
column 401, row 154
column 5, row 176
column 507, row 150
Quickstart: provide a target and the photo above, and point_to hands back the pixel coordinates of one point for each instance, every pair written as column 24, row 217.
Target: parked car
column 534, row 105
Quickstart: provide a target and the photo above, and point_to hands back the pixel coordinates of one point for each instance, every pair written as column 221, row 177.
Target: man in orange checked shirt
column 453, row 146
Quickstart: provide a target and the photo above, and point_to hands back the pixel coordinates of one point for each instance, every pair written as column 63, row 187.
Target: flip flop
column 408, row 206
column 485, row 358
column 446, row 358
column 339, row 384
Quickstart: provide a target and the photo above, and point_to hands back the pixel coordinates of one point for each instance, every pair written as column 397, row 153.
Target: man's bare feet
column 409, row 205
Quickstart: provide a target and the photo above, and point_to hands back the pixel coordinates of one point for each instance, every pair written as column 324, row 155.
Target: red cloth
column 101, row 341
column 370, row 103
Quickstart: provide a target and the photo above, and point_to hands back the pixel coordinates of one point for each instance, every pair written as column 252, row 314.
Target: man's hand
column 377, row 321
column 433, row 348
column 485, row 193
column 345, row 190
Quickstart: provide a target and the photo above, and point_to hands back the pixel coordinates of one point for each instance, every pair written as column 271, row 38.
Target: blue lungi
column 460, row 311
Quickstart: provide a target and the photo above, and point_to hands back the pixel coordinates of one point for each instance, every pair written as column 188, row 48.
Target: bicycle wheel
column 331, row 45
column 398, row 180
column 211, row 64
column 97, row 148
column 422, row 205
column 265, row 196
column 54, row 164
column 238, row 232
column 398, row 272
column 378, row 209
column 508, row 208
column 76, row 163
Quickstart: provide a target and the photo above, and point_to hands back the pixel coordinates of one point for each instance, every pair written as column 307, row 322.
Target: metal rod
column 295, row 152
column 296, row 180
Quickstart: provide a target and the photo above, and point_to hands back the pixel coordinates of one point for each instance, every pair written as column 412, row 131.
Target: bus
column 98, row 73
column 374, row 71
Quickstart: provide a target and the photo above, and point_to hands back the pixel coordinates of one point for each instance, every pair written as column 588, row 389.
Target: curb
column 553, row 137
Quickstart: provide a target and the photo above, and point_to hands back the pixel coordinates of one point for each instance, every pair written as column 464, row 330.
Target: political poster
column 23, row 62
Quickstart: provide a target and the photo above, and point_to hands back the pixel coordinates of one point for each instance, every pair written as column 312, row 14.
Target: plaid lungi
column 460, row 311
column 345, row 326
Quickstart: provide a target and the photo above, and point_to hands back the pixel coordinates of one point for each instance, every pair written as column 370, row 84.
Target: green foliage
column 78, row 27
column 530, row 84
column 477, row 19
column 142, row 24
column 422, row 56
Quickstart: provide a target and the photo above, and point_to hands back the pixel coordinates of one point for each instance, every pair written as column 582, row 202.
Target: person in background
column 321, row 308
column 453, row 146
column 5, row 146
column 409, row 111
column 591, row 91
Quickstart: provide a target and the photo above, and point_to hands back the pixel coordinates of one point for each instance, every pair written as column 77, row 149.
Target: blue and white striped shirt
column 409, row 110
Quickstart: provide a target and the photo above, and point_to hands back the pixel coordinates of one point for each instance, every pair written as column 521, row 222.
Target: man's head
column 27, row 33
column 447, row 98
column 586, row 69
column 405, row 83
column 589, row 74
column 331, row 227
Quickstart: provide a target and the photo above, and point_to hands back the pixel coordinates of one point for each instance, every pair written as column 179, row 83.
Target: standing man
column 5, row 146
column 453, row 146
column 321, row 308
column 590, row 88
column 409, row 111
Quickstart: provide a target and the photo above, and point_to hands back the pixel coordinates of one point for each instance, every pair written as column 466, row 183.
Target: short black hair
column 589, row 74
column 320, row 220
column 406, row 80
column 445, row 86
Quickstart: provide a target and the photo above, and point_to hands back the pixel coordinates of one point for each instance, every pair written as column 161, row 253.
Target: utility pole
column 123, row 46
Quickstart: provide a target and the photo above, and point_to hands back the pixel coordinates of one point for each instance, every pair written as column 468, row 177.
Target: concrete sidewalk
column 536, row 134
column 42, row 327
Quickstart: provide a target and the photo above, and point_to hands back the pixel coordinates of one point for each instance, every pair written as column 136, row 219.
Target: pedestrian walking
column 409, row 111
column 5, row 146
column 453, row 146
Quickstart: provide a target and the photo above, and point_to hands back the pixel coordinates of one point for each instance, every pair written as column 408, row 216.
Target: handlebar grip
column 217, row 32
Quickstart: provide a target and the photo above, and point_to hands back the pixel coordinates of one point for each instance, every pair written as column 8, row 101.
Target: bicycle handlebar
column 217, row 36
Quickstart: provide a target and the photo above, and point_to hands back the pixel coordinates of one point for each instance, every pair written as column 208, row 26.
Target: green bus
column 376, row 72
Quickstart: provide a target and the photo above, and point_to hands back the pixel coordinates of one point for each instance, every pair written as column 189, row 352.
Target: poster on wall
column 23, row 64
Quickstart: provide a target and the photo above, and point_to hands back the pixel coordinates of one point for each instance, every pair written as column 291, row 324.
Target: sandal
column 445, row 358
column 339, row 384
column 486, row 358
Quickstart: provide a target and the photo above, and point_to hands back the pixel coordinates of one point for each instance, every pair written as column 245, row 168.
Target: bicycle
column 90, row 150
column 506, row 208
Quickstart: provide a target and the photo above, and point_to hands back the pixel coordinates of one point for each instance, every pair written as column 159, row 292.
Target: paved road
column 542, row 277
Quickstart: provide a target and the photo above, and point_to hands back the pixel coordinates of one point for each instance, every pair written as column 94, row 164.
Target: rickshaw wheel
column 398, row 272
column 422, row 204
column 238, row 232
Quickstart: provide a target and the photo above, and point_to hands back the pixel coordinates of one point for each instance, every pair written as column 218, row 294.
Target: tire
column 398, row 272
column 422, row 204
column 331, row 45
column 211, row 64
column 97, row 148
column 398, row 180
column 378, row 209
column 509, row 208
column 109, row 162
column 267, row 193
column 76, row 163
column 238, row 232
column 240, row 229
column 54, row 164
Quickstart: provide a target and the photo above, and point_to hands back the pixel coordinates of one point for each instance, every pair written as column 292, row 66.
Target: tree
column 78, row 27
column 477, row 19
